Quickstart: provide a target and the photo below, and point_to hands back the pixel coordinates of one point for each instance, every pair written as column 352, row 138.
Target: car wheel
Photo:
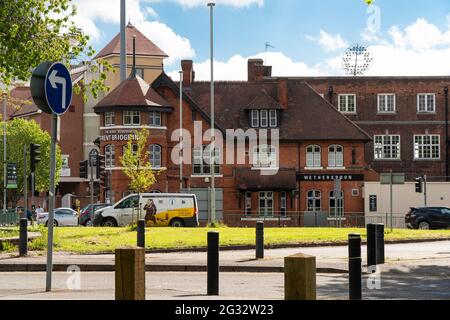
column 55, row 223
column 423, row 225
column 177, row 223
column 88, row 223
column 109, row 222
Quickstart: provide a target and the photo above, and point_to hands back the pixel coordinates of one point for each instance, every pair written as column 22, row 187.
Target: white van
column 158, row 209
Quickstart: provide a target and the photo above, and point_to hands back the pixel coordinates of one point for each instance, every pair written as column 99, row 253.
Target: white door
column 125, row 209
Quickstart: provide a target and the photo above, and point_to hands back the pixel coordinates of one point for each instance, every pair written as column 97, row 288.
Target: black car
column 428, row 218
column 87, row 213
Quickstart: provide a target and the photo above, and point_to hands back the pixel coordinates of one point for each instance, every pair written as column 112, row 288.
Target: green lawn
column 8, row 233
column 92, row 240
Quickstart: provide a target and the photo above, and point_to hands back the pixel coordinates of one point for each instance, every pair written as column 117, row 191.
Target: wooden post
column 130, row 273
column 300, row 277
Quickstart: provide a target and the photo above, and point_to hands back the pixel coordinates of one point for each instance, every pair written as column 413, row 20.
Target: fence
column 8, row 218
column 319, row 219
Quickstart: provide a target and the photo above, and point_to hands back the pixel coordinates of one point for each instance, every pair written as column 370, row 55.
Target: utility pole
column 212, row 149
column 123, row 41
column 25, row 182
column 425, row 189
column 181, row 131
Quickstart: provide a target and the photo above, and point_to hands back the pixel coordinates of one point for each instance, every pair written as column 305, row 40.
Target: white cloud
column 236, row 68
column 328, row 41
column 232, row 3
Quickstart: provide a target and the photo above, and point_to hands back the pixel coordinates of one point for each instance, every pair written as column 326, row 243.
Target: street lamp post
column 5, row 95
column 181, row 131
column 212, row 149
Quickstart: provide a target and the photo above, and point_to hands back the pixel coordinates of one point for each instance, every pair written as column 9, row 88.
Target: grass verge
column 96, row 240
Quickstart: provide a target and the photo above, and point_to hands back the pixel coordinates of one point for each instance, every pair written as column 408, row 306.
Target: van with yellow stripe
column 158, row 210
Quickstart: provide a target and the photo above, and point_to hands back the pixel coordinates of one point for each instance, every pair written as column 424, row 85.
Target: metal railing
column 9, row 218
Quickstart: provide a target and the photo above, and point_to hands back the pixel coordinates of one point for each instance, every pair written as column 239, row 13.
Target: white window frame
column 345, row 108
column 110, row 156
column 110, row 119
column 312, row 196
column 427, row 107
column 267, row 198
column 264, row 118
column 335, row 158
column 248, row 203
column 134, row 146
column 264, row 156
column 314, row 157
column 283, row 203
column 420, row 148
column 273, row 118
column 383, row 97
column 155, row 156
column 255, row 118
column 338, row 208
column 201, row 164
column 131, row 115
column 153, row 116
column 383, row 147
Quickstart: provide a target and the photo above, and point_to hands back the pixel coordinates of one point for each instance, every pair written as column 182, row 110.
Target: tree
column 136, row 163
column 34, row 31
column 22, row 133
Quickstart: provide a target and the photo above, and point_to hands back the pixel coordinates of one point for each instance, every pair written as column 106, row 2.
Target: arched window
column 110, row 156
column 313, row 157
column 314, row 200
column 155, row 155
column 335, row 156
column 336, row 204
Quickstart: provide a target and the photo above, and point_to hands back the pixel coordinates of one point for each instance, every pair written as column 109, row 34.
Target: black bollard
column 260, row 240
column 213, row 264
column 379, row 234
column 371, row 245
column 23, row 237
column 141, row 233
column 354, row 267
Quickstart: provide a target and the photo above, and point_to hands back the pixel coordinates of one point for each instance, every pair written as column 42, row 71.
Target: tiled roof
column 307, row 117
column 22, row 102
column 133, row 92
column 144, row 46
column 263, row 100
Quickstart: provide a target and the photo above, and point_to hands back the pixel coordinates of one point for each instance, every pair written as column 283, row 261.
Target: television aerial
column 357, row 60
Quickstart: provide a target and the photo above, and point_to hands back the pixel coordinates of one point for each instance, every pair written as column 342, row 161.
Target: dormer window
column 264, row 118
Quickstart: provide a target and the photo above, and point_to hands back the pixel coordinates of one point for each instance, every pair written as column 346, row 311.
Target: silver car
column 64, row 217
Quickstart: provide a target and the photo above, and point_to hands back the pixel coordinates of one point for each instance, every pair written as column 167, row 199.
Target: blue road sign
column 58, row 88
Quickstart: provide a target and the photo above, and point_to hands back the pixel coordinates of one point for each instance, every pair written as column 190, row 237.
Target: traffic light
column 84, row 169
column 101, row 172
column 419, row 187
column 35, row 156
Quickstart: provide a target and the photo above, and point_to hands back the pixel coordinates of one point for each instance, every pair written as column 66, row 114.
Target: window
column 264, row 156
column 109, row 156
column 314, row 200
column 283, row 203
column 347, row 103
column 313, row 157
column 386, row 103
column 155, row 155
column 336, row 156
column 336, row 204
column 128, row 203
column 387, row 147
column 427, row 147
column 201, row 161
column 109, row 119
column 131, row 118
column 264, row 121
column 255, row 118
column 266, row 204
column 264, row 118
column 155, row 118
column 273, row 121
column 134, row 147
column 248, row 203
column 426, row 102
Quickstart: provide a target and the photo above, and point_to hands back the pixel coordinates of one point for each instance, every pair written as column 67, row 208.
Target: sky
column 308, row 37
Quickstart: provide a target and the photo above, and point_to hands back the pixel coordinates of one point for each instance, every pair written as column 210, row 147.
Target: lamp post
column 5, row 95
column 212, row 149
column 181, row 131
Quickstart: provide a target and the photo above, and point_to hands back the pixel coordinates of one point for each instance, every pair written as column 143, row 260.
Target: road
column 398, row 282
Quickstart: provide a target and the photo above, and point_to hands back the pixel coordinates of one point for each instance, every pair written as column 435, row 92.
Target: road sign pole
column 25, row 182
column 425, row 189
column 51, row 203
column 392, row 199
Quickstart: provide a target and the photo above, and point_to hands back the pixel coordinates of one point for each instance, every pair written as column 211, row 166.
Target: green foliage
column 40, row 243
column 136, row 164
column 22, row 133
column 34, row 31
column 369, row 2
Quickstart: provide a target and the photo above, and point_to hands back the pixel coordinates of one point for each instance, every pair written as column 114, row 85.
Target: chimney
column 283, row 92
column 257, row 70
column 188, row 72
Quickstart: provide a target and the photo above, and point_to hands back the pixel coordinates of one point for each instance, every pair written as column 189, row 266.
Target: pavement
column 328, row 259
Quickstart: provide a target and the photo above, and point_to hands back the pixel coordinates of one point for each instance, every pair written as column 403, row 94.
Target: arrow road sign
column 58, row 88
